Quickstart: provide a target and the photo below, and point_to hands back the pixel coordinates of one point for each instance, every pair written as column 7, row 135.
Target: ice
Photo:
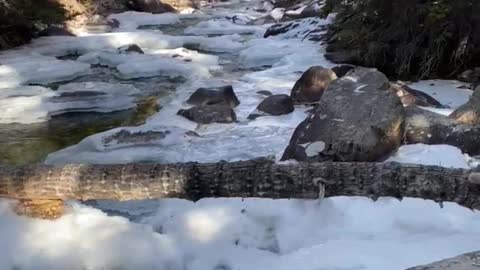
column 223, row 27
column 26, row 104
column 131, row 20
column 172, row 63
column 447, row 92
column 18, row 68
column 438, row 155
column 31, row 104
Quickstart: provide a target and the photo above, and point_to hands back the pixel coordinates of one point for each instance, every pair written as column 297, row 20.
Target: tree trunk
column 431, row 128
column 254, row 178
column 469, row 261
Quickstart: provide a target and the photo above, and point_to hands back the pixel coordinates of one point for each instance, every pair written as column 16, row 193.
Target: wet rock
column 341, row 70
column 130, row 48
column 351, row 57
column 214, row 96
column 126, row 137
column 55, row 31
column 410, row 96
column 157, row 6
column 207, row 114
column 264, row 92
column 311, row 85
column 470, row 76
column 469, row 113
column 359, row 118
column 273, row 105
column 468, row 261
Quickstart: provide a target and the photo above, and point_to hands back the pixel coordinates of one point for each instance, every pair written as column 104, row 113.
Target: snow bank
column 336, row 233
column 438, row 155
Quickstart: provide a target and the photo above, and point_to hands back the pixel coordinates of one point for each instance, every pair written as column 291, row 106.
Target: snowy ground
column 214, row 234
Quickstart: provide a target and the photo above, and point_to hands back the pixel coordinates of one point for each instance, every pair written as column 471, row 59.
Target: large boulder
column 359, row 118
column 469, row 113
column 311, row 85
column 214, row 96
column 157, row 6
column 273, row 105
column 207, row 114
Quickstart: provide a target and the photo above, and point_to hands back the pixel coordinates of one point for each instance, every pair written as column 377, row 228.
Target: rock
column 273, row 105
column 351, row 57
column 469, row 113
column 207, row 114
column 410, row 96
column 113, row 23
column 54, row 31
column 264, row 92
column 359, row 118
column 470, row 76
column 214, row 96
column 157, row 6
column 130, row 48
column 312, row 84
column 341, row 70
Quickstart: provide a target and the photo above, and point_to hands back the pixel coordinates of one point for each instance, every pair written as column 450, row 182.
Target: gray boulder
column 273, row 105
column 214, row 96
column 359, row 118
column 311, row 85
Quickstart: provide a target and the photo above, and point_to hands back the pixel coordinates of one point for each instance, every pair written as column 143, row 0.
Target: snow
column 438, row 155
column 447, row 92
column 221, row 234
column 335, row 233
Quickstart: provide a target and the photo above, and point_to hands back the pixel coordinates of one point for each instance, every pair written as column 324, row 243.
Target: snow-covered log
column 254, row 178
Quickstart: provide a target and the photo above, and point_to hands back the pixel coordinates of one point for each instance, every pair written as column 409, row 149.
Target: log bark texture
column 254, row 178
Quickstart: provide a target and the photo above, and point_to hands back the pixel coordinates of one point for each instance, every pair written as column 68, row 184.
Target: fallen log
column 255, row 178
column 468, row 261
column 426, row 127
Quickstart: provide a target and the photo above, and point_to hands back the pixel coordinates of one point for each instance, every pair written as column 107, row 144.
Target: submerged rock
column 273, row 105
column 312, row 84
column 214, row 96
column 207, row 114
column 359, row 118
column 130, row 48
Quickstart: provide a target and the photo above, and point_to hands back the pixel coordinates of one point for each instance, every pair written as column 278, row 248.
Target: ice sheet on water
column 173, row 63
column 131, row 20
column 223, row 27
column 31, row 104
column 20, row 67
